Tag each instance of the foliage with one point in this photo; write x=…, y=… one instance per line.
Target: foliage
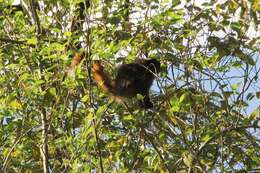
x=206, y=117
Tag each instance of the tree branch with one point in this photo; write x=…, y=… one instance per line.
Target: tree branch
x=222, y=132
x=44, y=146
x=4, y=168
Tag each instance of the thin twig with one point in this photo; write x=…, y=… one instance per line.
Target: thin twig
x=7, y=40
x=223, y=132
x=98, y=147
x=147, y=138
x=157, y=151
x=12, y=149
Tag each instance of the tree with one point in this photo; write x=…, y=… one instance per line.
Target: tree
x=206, y=115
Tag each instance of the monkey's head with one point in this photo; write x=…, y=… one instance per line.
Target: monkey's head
x=152, y=65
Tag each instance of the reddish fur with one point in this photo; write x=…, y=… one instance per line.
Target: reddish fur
x=76, y=60
x=101, y=78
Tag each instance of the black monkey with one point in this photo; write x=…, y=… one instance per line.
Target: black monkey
x=131, y=79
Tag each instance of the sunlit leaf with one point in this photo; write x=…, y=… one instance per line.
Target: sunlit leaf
x=15, y=105
x=183, y=96
x=235, y=86
x=139, y=97
x=188, y=159
x=32, y=41
x=233, y=4
x=256, y=5
x=68, y=34
x=203, y=118
x=52, y=91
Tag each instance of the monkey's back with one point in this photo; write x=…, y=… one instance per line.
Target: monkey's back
x=133, y=79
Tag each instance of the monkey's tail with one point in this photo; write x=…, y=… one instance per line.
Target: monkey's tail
x=78, y=57
x=102, y=78
x=76, y=60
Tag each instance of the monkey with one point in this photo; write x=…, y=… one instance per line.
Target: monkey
x=131, y=79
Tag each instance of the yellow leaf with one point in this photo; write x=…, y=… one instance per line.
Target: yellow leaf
x=16, y=105
x=256, y=5
x=32, y=41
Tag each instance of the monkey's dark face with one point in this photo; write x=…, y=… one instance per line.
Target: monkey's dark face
x=152, y=65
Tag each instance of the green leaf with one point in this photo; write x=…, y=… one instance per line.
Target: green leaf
x=68, y=33
x=233, y=4
x=101, y=110
x=85, y=98
x=57, y=46
x=236, y=26
x=39, y=82
x=258, y=94
x=250, y=96
x=175, y=105
x=128, y=117
x=216, y=94
x=244, y=57
x=139, y=97
x=176, y=2
x=254, y=115
x=183, y=96
x=188, y=159
x=227, y=94
x=57, y=30
x=235, y=86
x=32, y=41
x=24, y=76
x=15, y=104
x=206, y=138
x=174, y=16
x=256, y=5
x=52, y=91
